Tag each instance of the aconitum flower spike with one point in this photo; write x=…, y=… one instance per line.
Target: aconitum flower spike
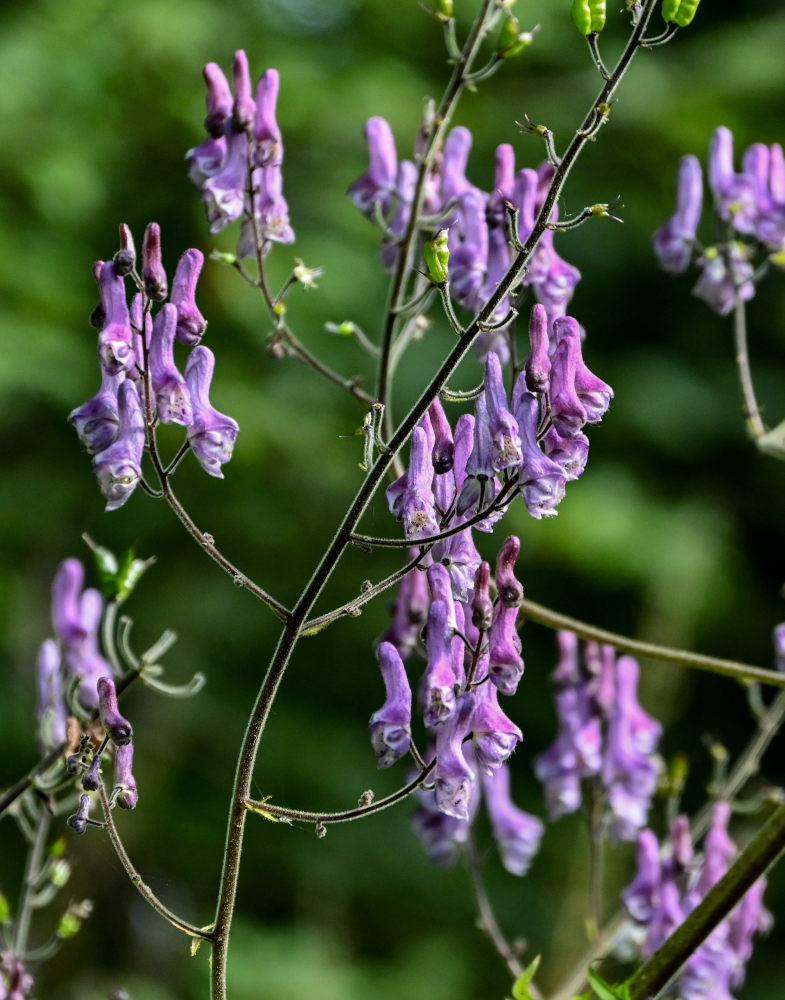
x=510, y=590
x=454, y=779
x=118, y=728
x=118, y=468
x=268, y=151
x=97, y=421
x=153, y=273
x=438, y=680
x=443, y=447
x=505, y=666
x=674, y=241
x=377, y=184
x=244, y=107
x=211, y=435
x=172, y=399
x=391, y=726
x=115, y=341
x=505, y=440
x=128, y=796
x=219, y=100
x=190, y=322
x=517, y=833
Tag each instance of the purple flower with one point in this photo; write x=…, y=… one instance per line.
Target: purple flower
x=97, y=421
x=377, y=184
x=538, y=365
x=505, y=666
x=219, y=100
x=641, y=897
x=569, y=453
x=673, y=242
x=439, y=679
x=172, y=399
x=443, y=447
x=494, y=735
x=223, y=192
x=454, y=779
x=410, y=612
x=271, y=214
x=517, y=833
x=734, y=194
x=66, y=594
x=391, y=726
x=443, y=837
x=244, y=107
x=542, y=480
x=505, y=440
x=118, y=728
x=454, y=159
x=52, y=713
x=268, y=151
x=190, y=322
x=127, y=796
x=482, y=605
x=726, y=277
x=115, y=341
x=118, y=467
x=153, y=273
x=469, y=249
x=630, y=770
x=416, y=502
x=479, y=486
x=510, y=590
x=405, y=183
x=211, y=435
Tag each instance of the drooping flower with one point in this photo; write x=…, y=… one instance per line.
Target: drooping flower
x=517, y=833
x=211, y=434
x=674, y=241
x=118, y=467
x=173, y=401
x=391, y=726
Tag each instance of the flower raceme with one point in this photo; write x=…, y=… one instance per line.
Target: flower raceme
x=750, y=204
x=137, y=355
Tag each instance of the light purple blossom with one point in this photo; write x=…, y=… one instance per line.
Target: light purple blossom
x=118, y=467
x=115, y=341
x=505, y=666
x=439, y=680
x=97, y=421
x=674, y=241
x=212, y=434
x=190, y=322
x=726, y=277
x=173, y=401
x=505, y=439
x=454, y=779
x=517, y=833
x=390, y=727
x=377, y=184
x=124, y=781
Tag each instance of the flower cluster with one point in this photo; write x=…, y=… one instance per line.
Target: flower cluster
x=473, y=654
x=478, y=223
x=75, y=677
x=669, y=885
x=237, y=168
x=140, y=382
x=750, y=203
x=603, y=733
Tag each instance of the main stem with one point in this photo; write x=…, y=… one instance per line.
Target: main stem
x=342, y=538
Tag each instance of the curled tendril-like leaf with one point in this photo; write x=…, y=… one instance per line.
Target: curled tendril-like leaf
x=188, y=690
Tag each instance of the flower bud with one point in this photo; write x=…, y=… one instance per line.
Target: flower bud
x=125, y=258
x=153, y=274
x=679, y=12
x=510, y=590
x=588, y=16
x=128, y=796
x=118, y=728
x=437, y=257
x=78, y=821
x=482, y=605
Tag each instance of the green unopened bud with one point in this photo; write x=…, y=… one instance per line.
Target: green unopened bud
x=444, y=9
x=512, y=40
x=5, y=910
x=588, y=16
x=345, y=329
x=73, y=918
x=117, y=578
x=437, y=257
x=59, y=872
x=223, y=258
x=679, y=12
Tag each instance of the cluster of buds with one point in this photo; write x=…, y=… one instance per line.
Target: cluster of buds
x=74, y=677
x=473, y=654
x=603, y=734
x=238, y=167
x=751, y=204
x=140, y=382
x=669, y=885
x=476, y=224
x=529, y=443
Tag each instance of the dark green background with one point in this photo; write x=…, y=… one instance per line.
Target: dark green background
x=675, y=533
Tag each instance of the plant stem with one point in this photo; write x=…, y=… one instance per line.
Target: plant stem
x=728, y=668
x=751, y=409
x=145, y=891
x=32, y=871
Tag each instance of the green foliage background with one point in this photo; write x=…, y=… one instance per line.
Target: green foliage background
x=675, y=533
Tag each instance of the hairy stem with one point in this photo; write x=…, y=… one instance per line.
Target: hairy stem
x=751, y=409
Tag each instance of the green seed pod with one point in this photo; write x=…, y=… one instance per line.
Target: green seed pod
x=437, y=257
x=588, y=16
x=679, y=12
